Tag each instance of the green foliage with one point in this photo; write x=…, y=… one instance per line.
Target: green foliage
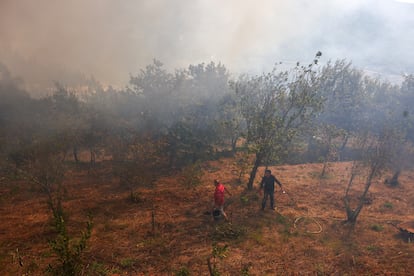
x=244, y=199
x=377, y=227
x=243, y=162
x=230, y=126
x=282, y=220
x=99, y=269
x=388, y=205
x=286, y=226
x=227, y=231
x=220, y=251
x=373, y=248
x=245, y=270
x=188, y=142
x=68, y=250
x=43, y=164
x=183, y=271
x=345, y=99
x=276, y=107
x=127, y=263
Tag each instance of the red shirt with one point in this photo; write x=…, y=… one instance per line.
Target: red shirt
x=219, y=194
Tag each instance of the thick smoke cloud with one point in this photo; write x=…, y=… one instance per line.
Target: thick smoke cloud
x=45, y=41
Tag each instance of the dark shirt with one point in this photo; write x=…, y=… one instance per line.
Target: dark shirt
x=268, y=183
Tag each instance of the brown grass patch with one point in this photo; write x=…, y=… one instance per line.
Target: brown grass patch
x=127, y=241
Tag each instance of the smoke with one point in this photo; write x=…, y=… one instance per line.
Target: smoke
x=45, y=40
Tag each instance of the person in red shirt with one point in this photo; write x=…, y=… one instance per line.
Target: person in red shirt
x=219, y=197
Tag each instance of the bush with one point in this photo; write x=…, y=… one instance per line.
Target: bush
x=183, y=271
x=377, y=227
x=388, y=205
x=68, y=250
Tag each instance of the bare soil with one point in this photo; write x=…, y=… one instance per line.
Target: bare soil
x=167, y=230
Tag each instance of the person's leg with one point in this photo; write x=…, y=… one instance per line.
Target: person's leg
x=264, y=200
x=223, y=213
x=272, y=200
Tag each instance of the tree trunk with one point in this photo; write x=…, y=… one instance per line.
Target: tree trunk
x=352, y=215
x=342, y=148
x=326, y=157
x=325, y=164
x=257, y=162
x=394, y=179
x=93, y=156
x=233, y=144
x=75, y=154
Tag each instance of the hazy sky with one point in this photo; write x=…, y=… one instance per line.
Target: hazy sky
x=57, y=40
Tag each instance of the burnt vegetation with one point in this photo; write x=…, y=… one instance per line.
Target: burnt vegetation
x=171, y=125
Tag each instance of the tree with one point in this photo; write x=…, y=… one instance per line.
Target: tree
x=229, y=120
x=276, y=107
x=344, y=98
x=326, y=136
x=154, y=87
x=43, y=164
x=64, y=117
x=188, y=142
x=17, y=114
x=137, y=160
x=403, y=119
x=376, y=152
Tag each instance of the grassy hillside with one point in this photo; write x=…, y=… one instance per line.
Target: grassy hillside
x=165, y=229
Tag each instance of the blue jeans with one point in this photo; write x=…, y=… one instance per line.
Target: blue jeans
x=270, y=194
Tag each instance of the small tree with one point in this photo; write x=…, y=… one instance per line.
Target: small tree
x=138, y=160
x=242, y=163
x=328, y=134
x=43, y=164
x=403, y=118
x=376, y=154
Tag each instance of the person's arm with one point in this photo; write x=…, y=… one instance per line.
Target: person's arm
x=262, y=183
x=280, y=184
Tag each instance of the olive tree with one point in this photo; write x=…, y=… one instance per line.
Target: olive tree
x=376, y=152
x=345, y=100
x=276, y=106
x=43, y=164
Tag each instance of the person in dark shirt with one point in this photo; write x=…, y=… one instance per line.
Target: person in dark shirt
x=268, y=186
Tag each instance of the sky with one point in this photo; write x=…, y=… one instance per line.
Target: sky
x=44, y=41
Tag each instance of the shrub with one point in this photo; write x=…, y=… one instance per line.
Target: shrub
x=377, y=227
x=126, y=263
x=68, y=250
x=183, y=271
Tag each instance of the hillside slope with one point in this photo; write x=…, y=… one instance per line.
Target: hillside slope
x=167, y=230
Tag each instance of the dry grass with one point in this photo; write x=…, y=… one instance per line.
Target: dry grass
x=126, y=241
